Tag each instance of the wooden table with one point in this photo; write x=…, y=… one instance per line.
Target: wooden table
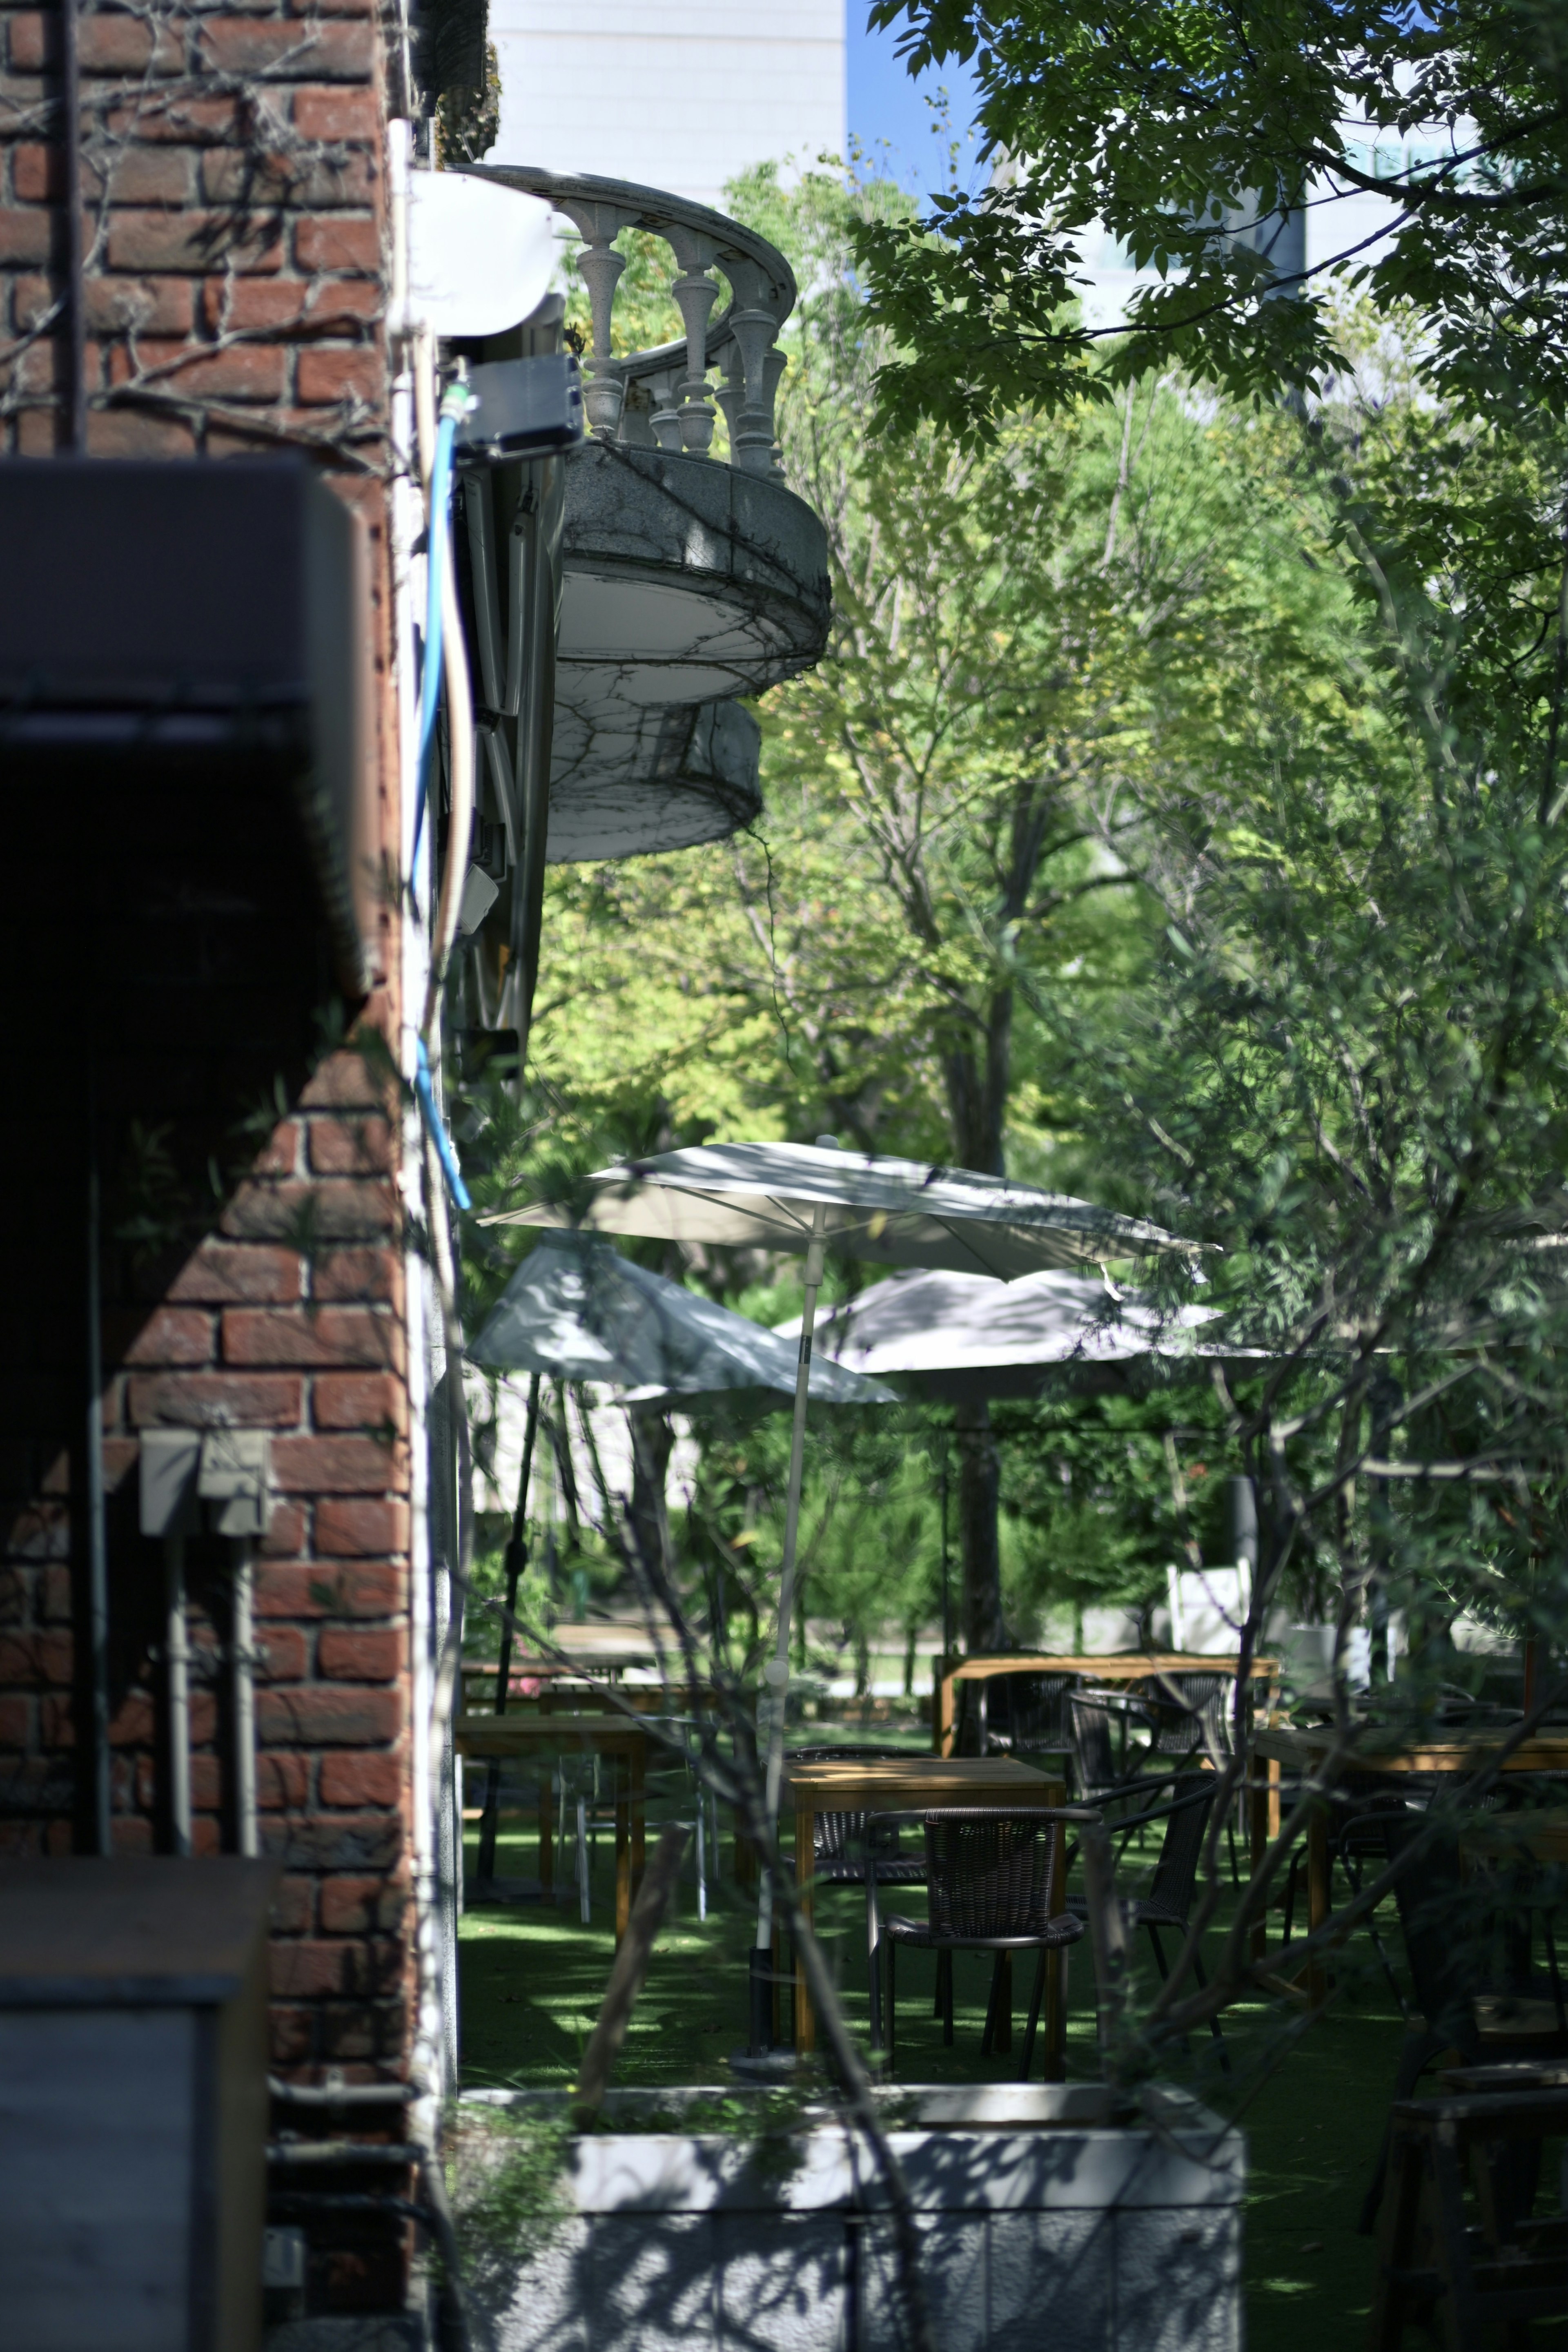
x=1305, y=1751
x=626, y=1744
x=1123, y=1666
x=897, y=1786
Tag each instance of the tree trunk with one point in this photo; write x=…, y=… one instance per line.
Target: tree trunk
x=980, y=1546
x=653, y=1443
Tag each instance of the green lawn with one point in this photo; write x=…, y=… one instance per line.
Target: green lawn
x=533, y=1978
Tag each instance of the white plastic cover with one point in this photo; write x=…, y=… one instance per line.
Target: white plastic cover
x=480, y=257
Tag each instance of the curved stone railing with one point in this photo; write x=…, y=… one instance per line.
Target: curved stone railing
x=662, y=398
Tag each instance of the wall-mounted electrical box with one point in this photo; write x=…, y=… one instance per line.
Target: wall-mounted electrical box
x=133, y=2094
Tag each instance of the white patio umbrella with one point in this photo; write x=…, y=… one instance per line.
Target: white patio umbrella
x=816, y=1198
x=576, y=1310
x=960, y=1339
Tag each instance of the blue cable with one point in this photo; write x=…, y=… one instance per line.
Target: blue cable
x=438, y=1135
x=435, y=565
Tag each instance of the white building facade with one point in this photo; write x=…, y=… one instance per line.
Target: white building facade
x=682, y=98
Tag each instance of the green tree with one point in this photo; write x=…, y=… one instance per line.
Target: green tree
x=1186, y=133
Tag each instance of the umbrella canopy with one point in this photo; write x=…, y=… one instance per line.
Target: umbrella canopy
x=959, y=1338
x=893, y=1212
x=576, y=1310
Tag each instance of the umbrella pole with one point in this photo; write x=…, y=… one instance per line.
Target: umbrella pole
x=517, y=1559
x=777, y=1671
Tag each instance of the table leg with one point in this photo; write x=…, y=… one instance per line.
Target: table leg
x=546, y=1834
x=639, y=1814
x=1056, y=2015
x=1317, y=1897
x=1264, y=1796
x=805, y=2015
x=623, y=1846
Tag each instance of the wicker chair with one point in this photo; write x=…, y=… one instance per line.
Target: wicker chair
x=1168, y=1903
x=991, y=1873
x=835, y=1835
x=1015, y=1714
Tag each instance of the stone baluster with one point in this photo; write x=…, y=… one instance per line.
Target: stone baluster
x=604, y=391
x=730, y=393
x=773, y=368
x=696, y=293
x=666, y=388
x=755, y=328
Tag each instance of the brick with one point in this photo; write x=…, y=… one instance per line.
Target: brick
x=349, y=1147
x=40, y=431
x=360, y=1654
x=350, y=1527
x=175, y=1335
x=291, y=1589
x=152, y=306
x=285, y=1536
x=351, y=1907
x=352, y=1079
x=31, y=46
x=37, y=172
x=344, y=1716
x=148, y=176
x=114, y=44
x=24, y=235
x=282, y=1780
x=291, y=2035
x=54, y=1601
x=375, y=1401
x=250, y=304
x=16, y=1596
x=354, y=1779
x=332, y=1336
x=243, y=371
x=217, y=1401
x=347, y=1842
x=316, y=182
x=39, y=1533
x=279, y=1155
x=337, y=374
x=337, y=114
x=35, y=1659
x=351, y=246
x=289, y=52
x=306, y=1971
x=57, y=1724
x=133, y=1723
x=158, y=116
x=285, y=1654
x=359, y=1273
x=294, y=1906
x=342, y=1464
x=223, y=1274
x=123, y=433
x=207, y=1783
x=194, y=240
x=16, y=1720
x=131, y=1836
x=338, y=1208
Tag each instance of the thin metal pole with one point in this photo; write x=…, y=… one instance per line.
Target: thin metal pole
x=70, y=95
x=242, y=1631
x=777, y=1669
x=517, y=1559
x=177, y=1656
x=947, y=1597
x=97, y=1531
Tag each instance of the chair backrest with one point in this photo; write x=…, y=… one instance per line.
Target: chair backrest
x=1094, y=1759
x=1189, y=1711
x=831, y=1831
x=1430, y=1897
x=1176, y=1872
x=990, y=1870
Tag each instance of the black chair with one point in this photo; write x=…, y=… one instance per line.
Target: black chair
x=1007, y=1714
x=1453, y=1971
x=991, y=1873
x=833, y=1862
x=1096, y=1779
x=1168, y=1903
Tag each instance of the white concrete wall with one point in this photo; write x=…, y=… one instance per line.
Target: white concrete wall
x=680, y=96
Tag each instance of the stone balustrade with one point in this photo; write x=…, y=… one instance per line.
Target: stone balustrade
x=664, y=398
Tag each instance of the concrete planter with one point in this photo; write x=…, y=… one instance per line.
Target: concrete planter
x=1044, y=2221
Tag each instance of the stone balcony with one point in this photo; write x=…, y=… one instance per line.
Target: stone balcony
x=688, y=579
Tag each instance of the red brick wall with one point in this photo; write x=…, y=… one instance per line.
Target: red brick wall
x=231, y=195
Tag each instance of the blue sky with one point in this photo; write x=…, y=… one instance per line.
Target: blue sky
x=886, y=105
